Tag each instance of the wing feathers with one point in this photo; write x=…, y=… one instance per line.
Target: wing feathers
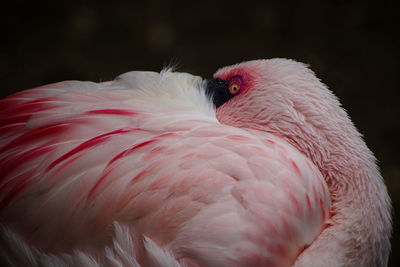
x=146, y=151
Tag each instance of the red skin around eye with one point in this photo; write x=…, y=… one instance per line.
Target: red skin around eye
x=243, y=78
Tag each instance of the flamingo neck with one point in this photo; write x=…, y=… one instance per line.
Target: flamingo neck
x=360, y=212
x=359, y=228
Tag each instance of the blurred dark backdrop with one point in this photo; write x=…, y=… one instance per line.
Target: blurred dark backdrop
x=353, y=46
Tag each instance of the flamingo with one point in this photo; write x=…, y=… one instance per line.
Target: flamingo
x=259, y=166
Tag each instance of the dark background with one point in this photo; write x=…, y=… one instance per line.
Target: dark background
x=353, y=46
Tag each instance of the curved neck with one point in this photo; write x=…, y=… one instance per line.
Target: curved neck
x=360, y=221
x=358, y=232
x=359, y=228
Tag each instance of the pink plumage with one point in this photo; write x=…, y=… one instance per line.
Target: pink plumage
x=143, y=171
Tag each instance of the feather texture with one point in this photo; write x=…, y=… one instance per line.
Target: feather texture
x=138, y=171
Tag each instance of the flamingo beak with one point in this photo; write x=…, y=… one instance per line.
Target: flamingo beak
x=218, y=90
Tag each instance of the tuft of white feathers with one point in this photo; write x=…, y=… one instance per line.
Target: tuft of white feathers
x=16, y=252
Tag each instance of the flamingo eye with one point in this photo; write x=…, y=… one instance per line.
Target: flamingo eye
x=234, y=88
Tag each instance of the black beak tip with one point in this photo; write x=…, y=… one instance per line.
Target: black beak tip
x=218, y=90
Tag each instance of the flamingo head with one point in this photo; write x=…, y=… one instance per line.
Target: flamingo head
x=280, y=96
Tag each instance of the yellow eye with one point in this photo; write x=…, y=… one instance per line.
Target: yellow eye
x=234, y=88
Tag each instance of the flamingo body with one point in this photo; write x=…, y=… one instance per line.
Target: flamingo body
x=144, y=171
x=147, y=152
